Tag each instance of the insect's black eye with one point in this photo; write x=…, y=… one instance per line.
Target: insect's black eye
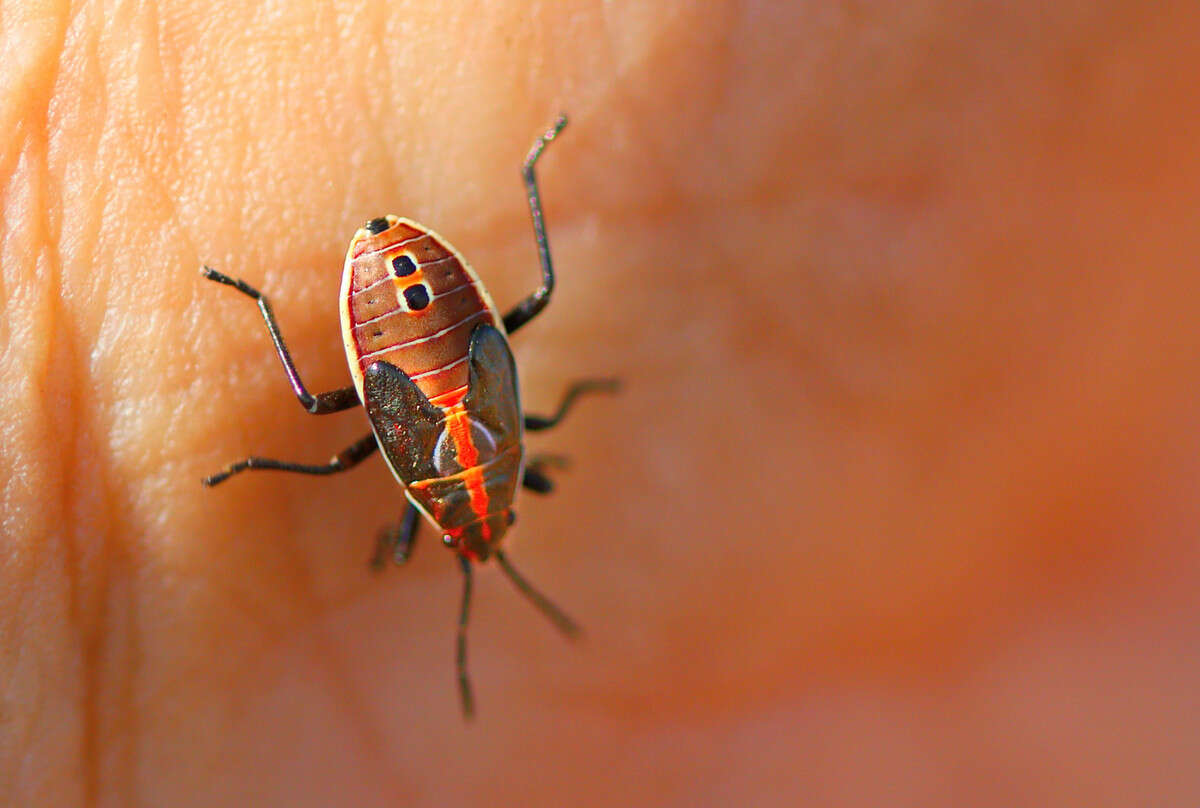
x=403, y=265
x=377, y=225
x=416, y=296
x=512, y=517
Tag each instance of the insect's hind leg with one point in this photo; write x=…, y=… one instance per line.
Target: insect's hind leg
x=320, y=404
x=535, y=423
x=529, y=308
x=344, y=460
x=398, y=539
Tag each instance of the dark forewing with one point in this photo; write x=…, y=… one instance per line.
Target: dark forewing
x=406, y=424
x=492, y=385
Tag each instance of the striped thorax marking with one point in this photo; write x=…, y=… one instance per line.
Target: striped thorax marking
x=458, y=427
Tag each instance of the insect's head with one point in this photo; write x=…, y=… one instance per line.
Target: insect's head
x=476, y=540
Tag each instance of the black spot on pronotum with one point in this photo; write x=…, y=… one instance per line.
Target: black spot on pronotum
x=417, y=296
x=403, y=265
x=377, y=225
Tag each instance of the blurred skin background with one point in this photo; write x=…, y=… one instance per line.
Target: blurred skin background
x=897, y=505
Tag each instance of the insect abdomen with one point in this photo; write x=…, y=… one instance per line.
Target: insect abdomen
x=408, y=298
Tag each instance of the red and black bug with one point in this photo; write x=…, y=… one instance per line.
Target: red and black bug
x=428, y=353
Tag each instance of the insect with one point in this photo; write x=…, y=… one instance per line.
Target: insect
x=430, y=361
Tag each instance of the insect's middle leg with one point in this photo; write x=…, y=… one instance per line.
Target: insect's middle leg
x=344, y=460
x=535, y=478
x=535, y=423
x=398, y=539
x=320, y=404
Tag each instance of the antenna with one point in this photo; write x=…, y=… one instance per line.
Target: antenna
x=565, y=624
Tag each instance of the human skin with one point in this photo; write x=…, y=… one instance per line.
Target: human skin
x=897, y=503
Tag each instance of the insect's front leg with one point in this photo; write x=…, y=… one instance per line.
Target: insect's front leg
x=398, y=539
x=320, y=404
x=535, y=478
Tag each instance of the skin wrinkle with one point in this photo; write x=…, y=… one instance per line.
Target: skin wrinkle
x=88, y=554
x=110, y=633
x=59, y=401
x=111, y=703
